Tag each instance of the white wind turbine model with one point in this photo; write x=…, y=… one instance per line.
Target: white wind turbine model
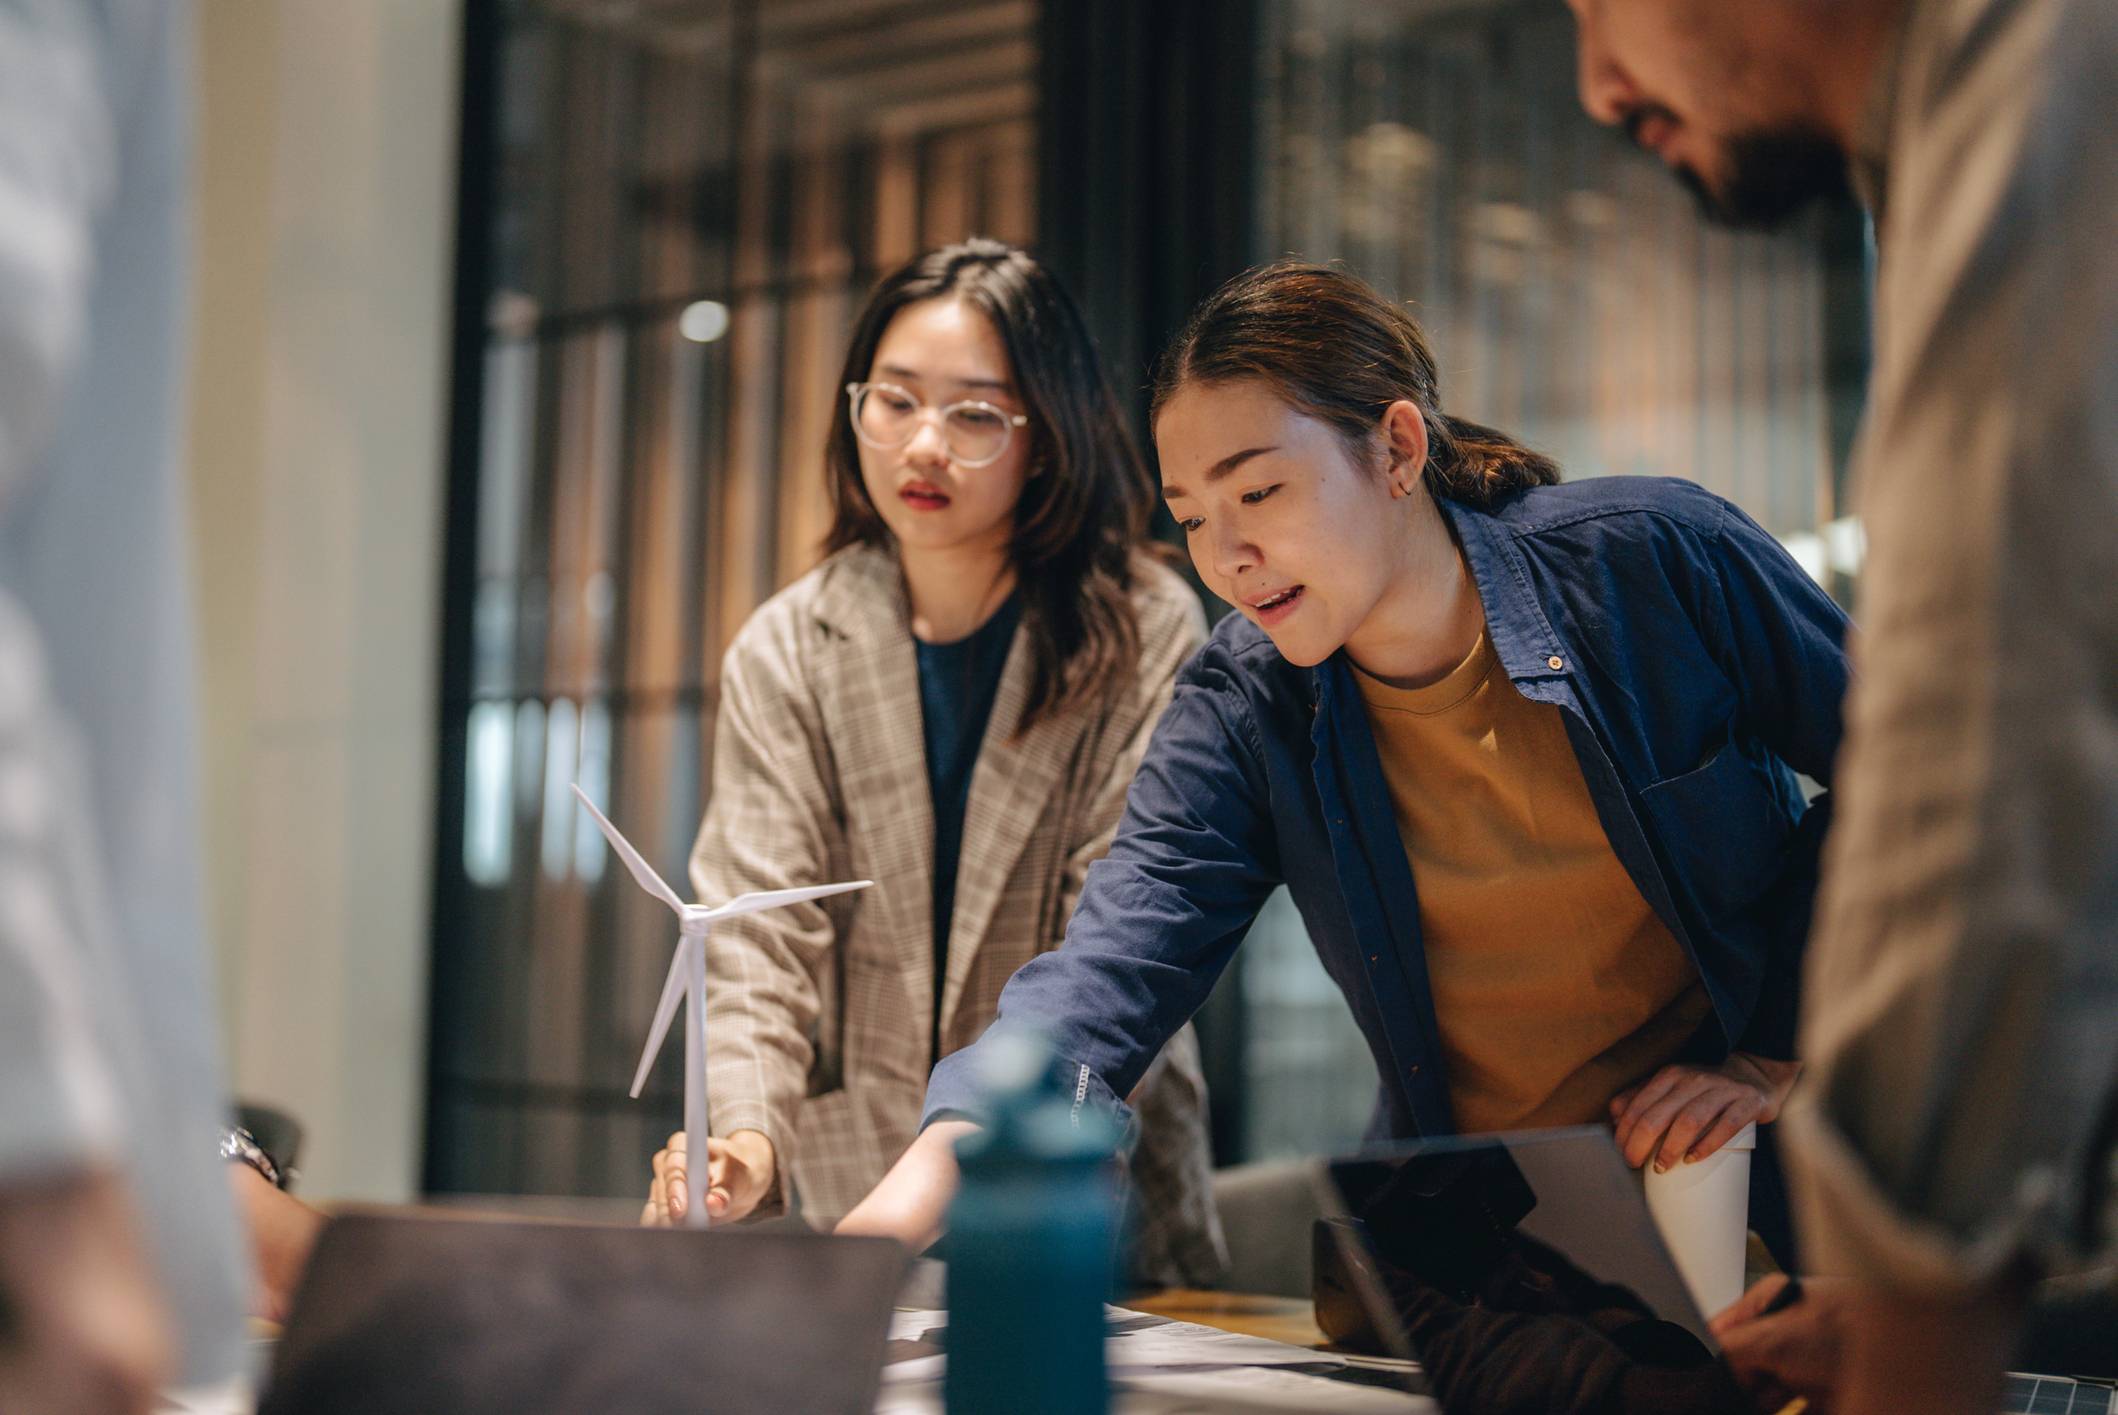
x=687, y=977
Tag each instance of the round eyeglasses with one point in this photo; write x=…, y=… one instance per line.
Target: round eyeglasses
x=975, y=433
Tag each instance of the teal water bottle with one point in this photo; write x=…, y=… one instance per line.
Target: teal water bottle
x=1032, y=1236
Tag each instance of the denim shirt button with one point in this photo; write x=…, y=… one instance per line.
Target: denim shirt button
x=1555, y=663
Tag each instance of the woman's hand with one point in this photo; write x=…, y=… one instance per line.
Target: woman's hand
x=740, y=1173
x=912, y=1201
x=1682, y=1114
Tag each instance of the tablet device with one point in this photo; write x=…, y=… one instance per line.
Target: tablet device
x=1449, y=1207
x=1438, y=1218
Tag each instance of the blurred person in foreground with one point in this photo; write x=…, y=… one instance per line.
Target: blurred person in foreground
x=1953, y=1137
x=119, y=1262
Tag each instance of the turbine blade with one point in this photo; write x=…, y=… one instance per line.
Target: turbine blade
x=780, y=898
x=665, y=1013
x=641, y=870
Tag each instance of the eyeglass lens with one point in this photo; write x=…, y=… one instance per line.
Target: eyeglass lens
x=889, y=417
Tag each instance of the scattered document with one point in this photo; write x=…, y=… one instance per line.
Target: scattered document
x=1158, y=1367
x=230, y=1398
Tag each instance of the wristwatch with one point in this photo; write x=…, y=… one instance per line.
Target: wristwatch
x=240, y=1146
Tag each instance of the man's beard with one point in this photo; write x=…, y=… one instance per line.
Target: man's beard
x=1771, y=176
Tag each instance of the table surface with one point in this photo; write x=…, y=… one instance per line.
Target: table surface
x=1288, y=1319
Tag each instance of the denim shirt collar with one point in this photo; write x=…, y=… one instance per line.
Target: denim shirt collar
x=1516, y=625
x=1521, y=635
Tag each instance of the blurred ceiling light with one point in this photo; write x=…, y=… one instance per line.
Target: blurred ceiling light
x=703, y=321
x=1508, y=222
x=1846, y=542
x=1391, y=152
x=512, y=314
x=1807, y=548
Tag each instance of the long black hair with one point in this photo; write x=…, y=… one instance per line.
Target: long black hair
x=1085, y=506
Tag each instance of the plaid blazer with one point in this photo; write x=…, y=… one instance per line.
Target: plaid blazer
x=819, y=1016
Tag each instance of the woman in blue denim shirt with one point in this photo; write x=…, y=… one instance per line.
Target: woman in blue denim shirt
x=1575, y=713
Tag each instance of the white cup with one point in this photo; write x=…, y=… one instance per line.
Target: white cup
x=1703, y=1211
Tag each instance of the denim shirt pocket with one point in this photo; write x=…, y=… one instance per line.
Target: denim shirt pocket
x=1722, y=827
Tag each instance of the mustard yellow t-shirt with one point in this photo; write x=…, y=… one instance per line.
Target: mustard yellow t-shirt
x=1555, y=985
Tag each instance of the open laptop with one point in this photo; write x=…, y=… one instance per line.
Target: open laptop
x=413, y=1313
x=1436, y=1217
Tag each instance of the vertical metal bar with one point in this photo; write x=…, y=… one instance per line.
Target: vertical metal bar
x=476, y=177
x=596, y=940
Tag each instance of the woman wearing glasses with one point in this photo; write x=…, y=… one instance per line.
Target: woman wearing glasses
x=952, y=705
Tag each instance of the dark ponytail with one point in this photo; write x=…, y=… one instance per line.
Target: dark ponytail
x=1340, y=352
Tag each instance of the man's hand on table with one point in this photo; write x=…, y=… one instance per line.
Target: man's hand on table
x=1847, y=1349
x=740, y=1173
x=1796, y=1351
x=1684, y=1113
x=82, y=1327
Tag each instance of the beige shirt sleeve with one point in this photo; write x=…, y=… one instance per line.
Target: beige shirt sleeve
x=1962, y=1027
x=770, y=824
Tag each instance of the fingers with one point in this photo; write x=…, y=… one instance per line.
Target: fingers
x=672, y=1154
x=1639, y=1100
x=1692, y=1121
x=1652, y=1111
x=1782, y=1357
x=656, y=1213
x=1754, y=1357
x=717, y=1162
x=1749, y=1306
x=669, y=1191
x=1683, y=1114
x=676, y=1197
x=1726, y=1128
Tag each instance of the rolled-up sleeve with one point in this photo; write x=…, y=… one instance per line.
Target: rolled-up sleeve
x=1160, y=915
x=1962, y=1030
